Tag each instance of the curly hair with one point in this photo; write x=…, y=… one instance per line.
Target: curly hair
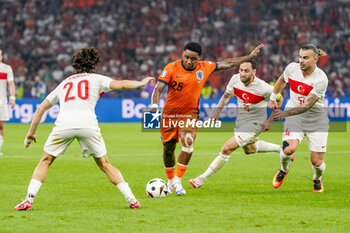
x=85, y=60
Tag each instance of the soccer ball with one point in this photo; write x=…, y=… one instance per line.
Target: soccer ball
x=156, y=188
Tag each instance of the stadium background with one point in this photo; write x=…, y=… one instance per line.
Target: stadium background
x=138, y=38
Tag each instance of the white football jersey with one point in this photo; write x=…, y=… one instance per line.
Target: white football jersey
x=300, y=88
x=78, y=95
x=252, y=100
x=6, y=75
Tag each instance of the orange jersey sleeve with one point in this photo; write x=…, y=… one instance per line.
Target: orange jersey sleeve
x=185, y=86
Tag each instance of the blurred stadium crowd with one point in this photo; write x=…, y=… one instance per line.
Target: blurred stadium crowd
x=139, y=37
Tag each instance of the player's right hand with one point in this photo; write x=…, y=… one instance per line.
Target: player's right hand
x=273, y=105
x=28, y=140
x=12, y=103
x=147, y=80
x=256, y=51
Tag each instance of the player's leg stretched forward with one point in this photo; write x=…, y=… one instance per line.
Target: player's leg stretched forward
x=38, y=178
x=286, y=155
x=116, y=177
x=223, y=157
x=187, y=140
x=318, y=167
x=174, y=181
x=169, y=162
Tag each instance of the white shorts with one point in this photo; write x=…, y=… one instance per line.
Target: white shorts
x=90, y=140
x=4, y=112
x=247, y=133
x=317, y=140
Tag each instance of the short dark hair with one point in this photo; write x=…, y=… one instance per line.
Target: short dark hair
x=85, y=60
x=319, y=52
x=253, y=63
x=194, y=46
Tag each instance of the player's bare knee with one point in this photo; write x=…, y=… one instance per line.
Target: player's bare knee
x=169, y=148
x=287, y=149
x=47, y=160
x=168, y=152
x=249, y=151
x=226, y=150
x=316, y=161
x=102, y=163
x=187, y=140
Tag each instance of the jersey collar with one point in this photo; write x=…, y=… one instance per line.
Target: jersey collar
x=182, y=63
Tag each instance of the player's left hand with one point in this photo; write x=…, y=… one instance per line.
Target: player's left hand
x=256, y=51
x=278, y=115
x=28, y=140
x=266, y=126
x=12, y=103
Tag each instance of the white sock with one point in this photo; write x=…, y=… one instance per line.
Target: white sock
x=216, y=165
x=170, y=182
x=176, y=179
x=262, y=146
x=33, y=188
x=126, y=191
x=318, y=171
x=285, y=160
x=1, y=141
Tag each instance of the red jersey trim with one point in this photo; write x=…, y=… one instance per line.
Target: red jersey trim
x=300, y=87
x=3, y=75
x=248, y=97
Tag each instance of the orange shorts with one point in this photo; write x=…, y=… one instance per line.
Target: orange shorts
x=171, y=127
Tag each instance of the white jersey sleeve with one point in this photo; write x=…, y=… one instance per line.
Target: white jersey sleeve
x=9, y=74
x=231, y=85
x=289, y=71
x=267, y=90
x=320, y=87
x=53, y=96
x=105, y=84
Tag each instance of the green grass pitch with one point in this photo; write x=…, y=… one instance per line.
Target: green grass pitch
x=77, y=196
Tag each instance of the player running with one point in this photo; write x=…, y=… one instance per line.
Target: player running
x=252, y=95
x=6, y=79
x=185, y=79
x=304, y=113
x=78, y=95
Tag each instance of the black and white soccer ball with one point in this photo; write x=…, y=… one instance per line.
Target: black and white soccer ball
x=156, y=188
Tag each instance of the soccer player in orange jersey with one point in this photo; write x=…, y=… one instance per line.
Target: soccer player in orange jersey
x=185, y=79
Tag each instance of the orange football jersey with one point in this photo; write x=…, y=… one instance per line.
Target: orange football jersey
x=185, y=86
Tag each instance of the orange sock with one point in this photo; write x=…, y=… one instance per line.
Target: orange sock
x=170, y=172
x=180, y=170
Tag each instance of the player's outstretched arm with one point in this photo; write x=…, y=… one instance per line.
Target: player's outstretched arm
x=43, y=107
x=129, y=84
x=157, y=92
x=310, y=101
x=280, y=84
x=222, y=103
x=236, y=61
